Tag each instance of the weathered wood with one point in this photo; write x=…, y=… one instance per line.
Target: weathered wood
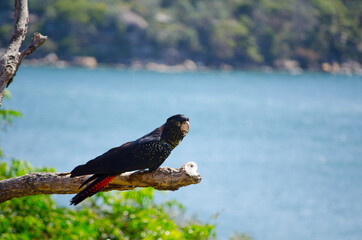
x=12, y=58
x=164, y=178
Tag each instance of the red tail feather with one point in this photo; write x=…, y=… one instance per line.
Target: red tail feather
x=92, y=188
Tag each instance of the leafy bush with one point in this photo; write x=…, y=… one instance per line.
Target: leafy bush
x=114, y=215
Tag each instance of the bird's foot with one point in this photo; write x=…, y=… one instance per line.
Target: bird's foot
x=152, y=171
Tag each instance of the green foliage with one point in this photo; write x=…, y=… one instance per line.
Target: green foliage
x=80, y=11
x=126, y=215
x=7, y=116
x=212, y=31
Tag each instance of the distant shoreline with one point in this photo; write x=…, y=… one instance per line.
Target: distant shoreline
x=288, y=66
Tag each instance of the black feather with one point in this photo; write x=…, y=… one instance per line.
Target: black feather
x=88, y=180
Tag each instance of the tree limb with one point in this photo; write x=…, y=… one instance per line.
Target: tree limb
x=11, y=60
x=164, y=178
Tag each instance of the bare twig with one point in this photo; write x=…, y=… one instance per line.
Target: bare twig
x=2, y=94
x=164, y=178
x=36, y=41
x=11, y=60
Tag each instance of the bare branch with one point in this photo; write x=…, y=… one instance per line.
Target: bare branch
x=164, y=178
x=11, y=60
x=37, y=40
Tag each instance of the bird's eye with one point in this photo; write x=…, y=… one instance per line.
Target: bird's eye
x=178, y=124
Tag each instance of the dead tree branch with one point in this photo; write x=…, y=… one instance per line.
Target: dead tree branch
x=11, y=60
x=164, y=178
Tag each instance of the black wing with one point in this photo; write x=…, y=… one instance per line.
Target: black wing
x=109, y=162
x=119, y=159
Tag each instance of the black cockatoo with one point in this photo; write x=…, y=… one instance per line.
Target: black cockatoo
x=147, y=152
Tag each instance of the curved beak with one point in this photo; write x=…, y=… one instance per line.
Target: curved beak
x=185, y=127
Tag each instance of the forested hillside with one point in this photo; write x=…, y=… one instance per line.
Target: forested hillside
x=237, y=33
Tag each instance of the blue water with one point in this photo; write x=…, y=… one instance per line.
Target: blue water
x=280, y=155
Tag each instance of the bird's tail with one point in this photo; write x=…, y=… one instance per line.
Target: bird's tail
x=94, y=187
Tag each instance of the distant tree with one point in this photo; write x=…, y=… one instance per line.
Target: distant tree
x=238, y=32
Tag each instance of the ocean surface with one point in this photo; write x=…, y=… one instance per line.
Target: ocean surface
x=280, y=155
